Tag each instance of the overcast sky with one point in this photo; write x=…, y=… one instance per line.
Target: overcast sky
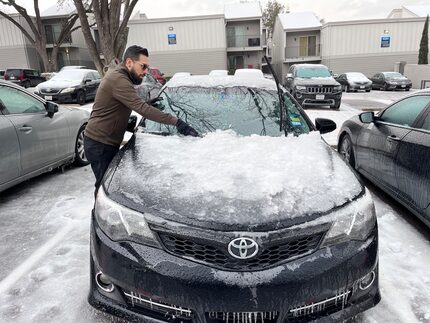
x=330, y=10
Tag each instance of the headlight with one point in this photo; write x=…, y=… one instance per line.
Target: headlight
x=300, y=88
x=338, y=87
x=352, y=222
x=120, y=223
x=68, y=90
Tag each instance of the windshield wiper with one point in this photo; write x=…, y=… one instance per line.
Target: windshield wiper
x=257, y=104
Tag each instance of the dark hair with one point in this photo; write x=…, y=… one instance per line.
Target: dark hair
x=134, y=51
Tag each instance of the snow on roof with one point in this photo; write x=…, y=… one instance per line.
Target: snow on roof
x=419, y=10
x=218, y=73
x=63, y=9
x=242, y=10
x=222, y=81
x=245, y=72
x=299, y=20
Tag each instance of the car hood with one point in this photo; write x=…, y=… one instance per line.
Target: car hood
x=398, y=79
x=230, y=182
x=316, y=81
x=58, y=84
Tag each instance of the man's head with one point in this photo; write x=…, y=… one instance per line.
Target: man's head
x=136, y=60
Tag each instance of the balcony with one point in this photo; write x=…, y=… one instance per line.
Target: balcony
x=245, y=42
x=302, y=53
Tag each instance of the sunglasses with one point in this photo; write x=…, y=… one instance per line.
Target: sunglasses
x=143, y=66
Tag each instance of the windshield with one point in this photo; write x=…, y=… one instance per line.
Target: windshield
x=393, y=75
x=246, y=111
x=69, y=75
x=356, y=76
x=308, y=72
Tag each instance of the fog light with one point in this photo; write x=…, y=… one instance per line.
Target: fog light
x=367, y=281
x=298, y=95
x=104, y=283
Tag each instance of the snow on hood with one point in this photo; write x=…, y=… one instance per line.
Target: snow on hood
x=58, y=84
x=228, y=179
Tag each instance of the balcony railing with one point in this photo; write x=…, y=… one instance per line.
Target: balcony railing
x=302, y=51
x=246, y=41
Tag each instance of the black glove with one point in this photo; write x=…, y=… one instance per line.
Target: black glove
x=185, y=129
x=155, y=100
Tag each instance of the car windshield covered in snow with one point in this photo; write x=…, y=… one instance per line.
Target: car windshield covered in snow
x=247, y=111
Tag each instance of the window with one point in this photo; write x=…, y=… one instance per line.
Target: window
x=17, y=102
x=308, y=46
x=426, y=124
x=405, y=112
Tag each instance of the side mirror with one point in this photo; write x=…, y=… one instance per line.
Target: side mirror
x=51, y=108
x=325, y=125
x=132, y=121
x=367, y=117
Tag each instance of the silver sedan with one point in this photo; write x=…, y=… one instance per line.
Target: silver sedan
x=36, y=136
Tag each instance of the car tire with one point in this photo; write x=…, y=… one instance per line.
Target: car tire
x=348, y=89
x=80, y=98
x=346, y=150
x=80, y=158
x=385, y=87
x=336, y=105
x=407, y=89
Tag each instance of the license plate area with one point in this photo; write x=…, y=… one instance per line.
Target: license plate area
x=48, y=97
x=320, y=97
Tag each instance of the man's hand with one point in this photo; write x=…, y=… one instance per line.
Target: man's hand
x=185, y=129
x=155, y=100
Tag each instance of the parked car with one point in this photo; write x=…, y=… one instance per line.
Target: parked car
x=354, y=81
x=70, y=85
x=2, y=73
x=24, y=77
x=37, y=135
x=390, y=81
x=73, y=67
x=313, y=85
x=155, y=72
x=392, y=149
x=233, y=225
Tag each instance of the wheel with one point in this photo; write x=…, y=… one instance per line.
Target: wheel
x=385, y=87
x=346, y=150
x=336, y=105
x=80, y=158
x=80, y=97
x=348, y=89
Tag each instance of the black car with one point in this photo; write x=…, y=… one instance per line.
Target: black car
x=24, y=77
x=354, y=81
x=238, y=225
x=392, y=149
x=313, y=85
x=70, y=85
x=390, y=81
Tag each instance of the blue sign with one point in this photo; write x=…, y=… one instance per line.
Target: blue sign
x=172, y=39
x=385, y=41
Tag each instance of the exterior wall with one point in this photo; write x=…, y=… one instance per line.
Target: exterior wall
x=416, y=73
x=238, y=32
x=292, y=47
x=13, y=46
x=200, y=43
x=356, y=46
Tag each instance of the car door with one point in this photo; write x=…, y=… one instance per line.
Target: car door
x=413, y=163
x=378, y=142
x=9, y=150
x=42, y=140
x=90, y=85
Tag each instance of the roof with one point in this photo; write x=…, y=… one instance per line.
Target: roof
x=305, y=20
x=64, y=9
x=207, y=81
x=242, y=10
x=419, y=10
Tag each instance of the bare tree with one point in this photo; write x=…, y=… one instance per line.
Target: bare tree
x=37, y=34
x=111, y=18
x=273, y=8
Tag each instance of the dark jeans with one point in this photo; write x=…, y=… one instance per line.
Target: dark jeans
x=99, y=155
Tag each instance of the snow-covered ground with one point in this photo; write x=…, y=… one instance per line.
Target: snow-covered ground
x=44, y=250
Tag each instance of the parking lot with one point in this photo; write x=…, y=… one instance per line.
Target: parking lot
x=45, y=221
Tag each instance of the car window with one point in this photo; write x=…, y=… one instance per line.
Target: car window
x=246, y=111
x=96, y=75
x=17, y=102
x=426, y=124
x=405, y=112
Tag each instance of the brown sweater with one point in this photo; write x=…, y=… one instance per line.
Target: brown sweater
x=115, y=99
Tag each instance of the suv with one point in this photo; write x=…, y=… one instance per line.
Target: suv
x=24, y=77
x=313, y=84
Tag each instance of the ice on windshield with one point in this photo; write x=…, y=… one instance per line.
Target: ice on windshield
x=393, y=75
x=235, y=179
x=356, y=77
x=247, y=111
x=311, y=72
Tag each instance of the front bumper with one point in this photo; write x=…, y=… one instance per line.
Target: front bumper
x=59, y=97
x=164, y=287
x=330, y=99
x=360, y=87
x=399, y=86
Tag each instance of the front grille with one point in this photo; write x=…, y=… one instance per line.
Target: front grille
x=217, y=254
x=243, y=317
x=319, y=89
x=313, y=311
x=50, y=91
x=157, y=308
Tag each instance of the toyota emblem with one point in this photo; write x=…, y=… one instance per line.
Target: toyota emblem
x=242, y=248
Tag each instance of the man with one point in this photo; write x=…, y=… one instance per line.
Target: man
x=115, y=99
